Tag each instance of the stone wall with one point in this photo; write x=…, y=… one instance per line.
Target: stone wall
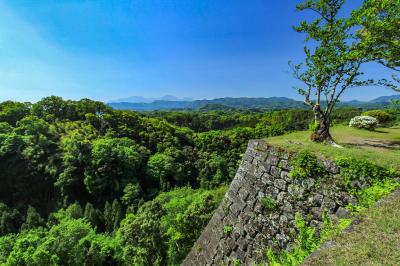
x=259, y=208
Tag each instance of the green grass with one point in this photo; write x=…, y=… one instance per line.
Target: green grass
x=381, y=146
x=375, y=241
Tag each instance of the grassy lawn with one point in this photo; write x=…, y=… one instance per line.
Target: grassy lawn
x=381, y=146
x=375, y=241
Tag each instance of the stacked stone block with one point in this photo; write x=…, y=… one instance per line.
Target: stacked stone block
x=243, y=227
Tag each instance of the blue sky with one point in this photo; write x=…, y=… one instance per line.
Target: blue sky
x=188, y=48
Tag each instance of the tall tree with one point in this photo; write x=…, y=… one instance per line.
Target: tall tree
x=142, y=237
x=32, y=219
x=330, y=66
x=380, y=33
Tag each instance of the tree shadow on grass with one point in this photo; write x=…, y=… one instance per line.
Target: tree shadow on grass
x=372, y=144
x=380, y=131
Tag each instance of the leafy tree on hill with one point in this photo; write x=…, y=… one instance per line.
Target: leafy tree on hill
x=142, y=237
x=162, y=168
x=187, y=226
x=93, y=216
x=75, y=144
x=10, y=219
x=29, y=163
x=32, y=220
x=54, y=108
x=12, y=112
x=114, y=162
x=379, y=34
x=332, y=63
x=133, y=195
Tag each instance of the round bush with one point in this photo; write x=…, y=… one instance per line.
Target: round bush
x=364, y=122
x=381, y=115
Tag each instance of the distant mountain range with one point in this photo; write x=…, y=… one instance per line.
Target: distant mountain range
x=140, y=99
x=271, y=103
x=386, y=99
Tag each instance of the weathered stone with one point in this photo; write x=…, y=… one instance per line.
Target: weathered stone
x=235, y=236
x=258, y=174
x=248, y=158
x=258, y=208
x=295, y=191
x=272, y=160
x=309, y=183
x=282, y=196
x=267, y=179
x=280, y=184
x=285, y=176
x=316, y=212
x=243, y=194
x=316, y=224
x=342, y=213
x=329, y=204
x=282, y=240
x=275, y=172
x=331, y=167
x=235, y=186
x=265, y=167
x=316, y=200
x=283, y=220
x=271, y=192
x=356, y=184
x=237, y=207
x=260, y=156
x=287, y=207
x=284, y=164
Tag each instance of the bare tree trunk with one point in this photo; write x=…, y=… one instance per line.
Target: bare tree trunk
x=321, y=132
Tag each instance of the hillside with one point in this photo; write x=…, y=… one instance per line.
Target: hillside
x=373, y=240
x=127, y=186
x=381, y=146
x=114, y=186
x=291, y=196
x=387, y=99
x=373, y=237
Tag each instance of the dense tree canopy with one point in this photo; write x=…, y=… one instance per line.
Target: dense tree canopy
x=82, y=184
x=379, y=35
x=380, y=31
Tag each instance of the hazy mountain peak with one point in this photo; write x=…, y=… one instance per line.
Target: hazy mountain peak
x=386, y=98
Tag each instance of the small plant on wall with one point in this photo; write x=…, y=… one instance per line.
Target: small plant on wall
x=268, y=203
x=305, y=165
x=228, y=230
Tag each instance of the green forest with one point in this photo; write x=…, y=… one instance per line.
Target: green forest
x=83, y=184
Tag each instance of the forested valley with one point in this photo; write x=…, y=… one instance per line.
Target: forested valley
x=83, y=184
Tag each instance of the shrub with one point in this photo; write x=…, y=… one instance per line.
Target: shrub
x=306, y=165
x=364, y=122
x=306, y=241
x=362, y=170
x=381, y=115
x=368, y=196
